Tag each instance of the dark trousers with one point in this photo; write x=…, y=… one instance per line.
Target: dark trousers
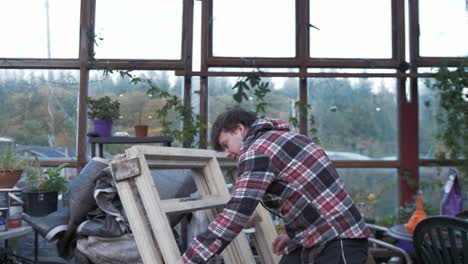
x=338, y=251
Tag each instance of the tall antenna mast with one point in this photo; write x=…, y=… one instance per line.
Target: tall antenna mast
x=47, y=27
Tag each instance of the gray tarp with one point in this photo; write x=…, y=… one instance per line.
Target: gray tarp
x=92, y=226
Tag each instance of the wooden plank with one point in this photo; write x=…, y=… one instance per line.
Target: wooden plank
x=136, y=217
x=229, y=255
x=159, y=223
x=126, y=169
x=265, y=234
x=216, y=182
x=175, y=164
x=265, y=231
x=181, y=205
x=174, y=153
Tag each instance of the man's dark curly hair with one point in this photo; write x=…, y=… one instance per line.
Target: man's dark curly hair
x=228, y=121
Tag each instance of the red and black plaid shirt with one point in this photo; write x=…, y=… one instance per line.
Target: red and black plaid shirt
x=294, y=179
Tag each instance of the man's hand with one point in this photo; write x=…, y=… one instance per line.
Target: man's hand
x=180, y=261
x=279, y=243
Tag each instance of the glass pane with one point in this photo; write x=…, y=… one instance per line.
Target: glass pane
x=380, y=182
x=336, y=32
x=136, y=107
x=260, y=28
x=280, y=101
x=140, y=29
x=39, y=110
x=39, y=29
x=429, y=125
x=445, y=37
x=356, y=118
x=434, y=121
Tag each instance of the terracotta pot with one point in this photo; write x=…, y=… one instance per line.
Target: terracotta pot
x=8, y=179
x=141, y=130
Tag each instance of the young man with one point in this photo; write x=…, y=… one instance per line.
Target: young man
x=294, y=179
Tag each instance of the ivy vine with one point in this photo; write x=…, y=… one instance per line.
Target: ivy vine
x=313, y=122
x=452, y=92
x=252, y=86
x=249, y=85
x=172, y=103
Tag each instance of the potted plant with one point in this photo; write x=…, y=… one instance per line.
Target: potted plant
x=138, y=106
x=103, y=110
x=42, y=190
x=11, y=167
x=141, y=130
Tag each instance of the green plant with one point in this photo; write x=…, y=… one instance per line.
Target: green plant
x=11, y=161
x=6, y=257
x=387, y=220
x=451, y=86
x=252, y=84
x=192, y=122
x=48, y=180
x=103, y=108
x=303, y=109
x=172, y=103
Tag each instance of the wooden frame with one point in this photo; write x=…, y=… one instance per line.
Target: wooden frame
x=155, y=241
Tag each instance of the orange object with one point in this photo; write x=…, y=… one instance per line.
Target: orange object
x=417, y=216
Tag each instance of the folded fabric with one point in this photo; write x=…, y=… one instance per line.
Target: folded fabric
x=119, y=250
x=92, y=227
x=49, y=226
x=105, y=226
x=79, y=199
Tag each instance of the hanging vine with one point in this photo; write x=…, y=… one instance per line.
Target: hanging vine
x=452, y=92
x=303, y=108
x=249, y=85
x=252, y=86
x=172, y=103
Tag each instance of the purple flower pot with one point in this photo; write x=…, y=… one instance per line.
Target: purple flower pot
x=103, y=127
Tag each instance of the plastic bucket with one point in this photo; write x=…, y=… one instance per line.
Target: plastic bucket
x=15, y=208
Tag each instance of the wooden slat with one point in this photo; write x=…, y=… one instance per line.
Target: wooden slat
x=127, y=168
x=151, y=201
x=265, y=231
x=229, y=255
x=265, y=234
x=175, y=164
x=182, y=205
x=136, y=217
x=172, y=153
x=217, y=182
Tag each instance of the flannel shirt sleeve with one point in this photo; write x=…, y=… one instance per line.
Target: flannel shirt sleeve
x=256, y=172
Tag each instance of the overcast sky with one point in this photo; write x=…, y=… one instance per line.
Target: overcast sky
x=150, y=29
